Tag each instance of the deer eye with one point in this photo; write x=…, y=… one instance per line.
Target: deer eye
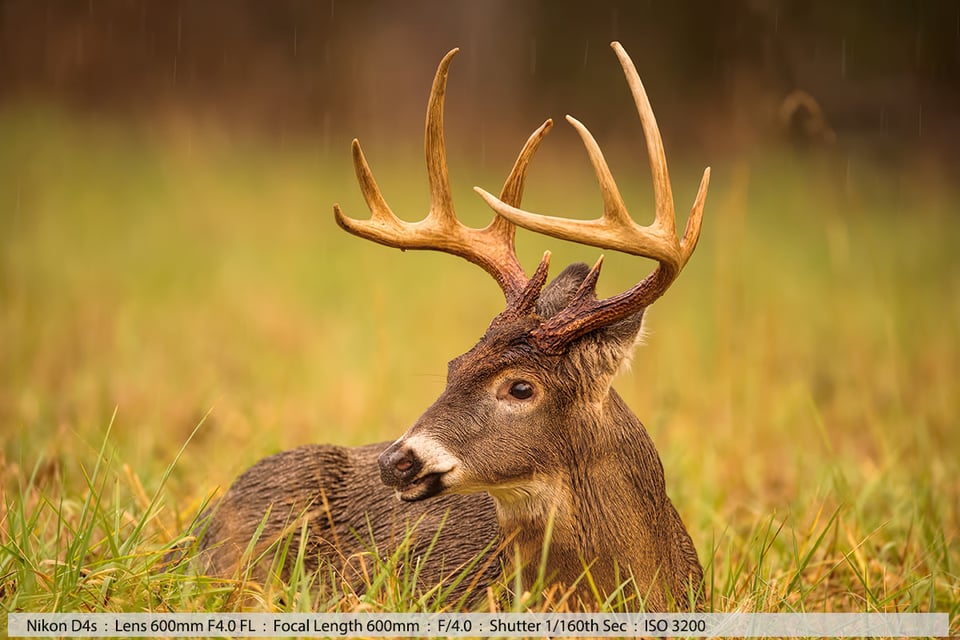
x=521, y=390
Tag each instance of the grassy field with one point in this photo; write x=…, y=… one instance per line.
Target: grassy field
x=800, y=379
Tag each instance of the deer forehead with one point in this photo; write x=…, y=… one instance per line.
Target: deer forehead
x=496, y=354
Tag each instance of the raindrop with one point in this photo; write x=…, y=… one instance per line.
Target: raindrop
x=848, y=170
x=294, y=40
x=586, y=53
x=327, y=123
x=920, y=121
x=332, y=5
x=533, y=56
x=179, y=28
x=776, y=20
x=843, y=58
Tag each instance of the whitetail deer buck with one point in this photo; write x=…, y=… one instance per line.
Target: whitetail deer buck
x=528, y=434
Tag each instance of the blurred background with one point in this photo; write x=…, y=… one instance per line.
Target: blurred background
x=169, y=258
x=878, y=79
x=168, y=255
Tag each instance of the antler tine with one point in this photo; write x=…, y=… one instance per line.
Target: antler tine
x=435, y=148
x=691, y=234
x=662, y=192
x=491, y=248
x=512, y=190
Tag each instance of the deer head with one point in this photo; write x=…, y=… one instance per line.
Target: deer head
x=528, y=414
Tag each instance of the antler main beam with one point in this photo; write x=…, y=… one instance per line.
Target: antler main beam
x=491, y=248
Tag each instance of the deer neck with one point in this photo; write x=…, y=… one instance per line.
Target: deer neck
x=600, y=508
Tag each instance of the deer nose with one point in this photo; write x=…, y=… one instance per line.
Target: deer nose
x=398, y=465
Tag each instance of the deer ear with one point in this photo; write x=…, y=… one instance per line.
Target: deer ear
x=557, y=295
x=614, y=345
x=627, y=333
x=616, y=341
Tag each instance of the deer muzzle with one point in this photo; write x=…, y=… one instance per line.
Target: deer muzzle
x=415, y=469
x=398, y=465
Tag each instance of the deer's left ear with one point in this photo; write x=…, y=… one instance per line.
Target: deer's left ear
x=619, y=340
x=607, y=351
x=627, y=332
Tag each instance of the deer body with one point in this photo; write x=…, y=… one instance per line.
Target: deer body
x=528, y=443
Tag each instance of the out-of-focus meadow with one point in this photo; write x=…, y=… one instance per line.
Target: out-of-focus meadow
x=799, y=380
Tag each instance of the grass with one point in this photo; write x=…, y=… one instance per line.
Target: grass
x=175, y=306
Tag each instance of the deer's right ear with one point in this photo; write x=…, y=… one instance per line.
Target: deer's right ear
x=557, y=295
x=613, y=345
x=559, y=292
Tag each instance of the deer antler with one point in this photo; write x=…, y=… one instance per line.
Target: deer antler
x=616, y=230
x=491, y=248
